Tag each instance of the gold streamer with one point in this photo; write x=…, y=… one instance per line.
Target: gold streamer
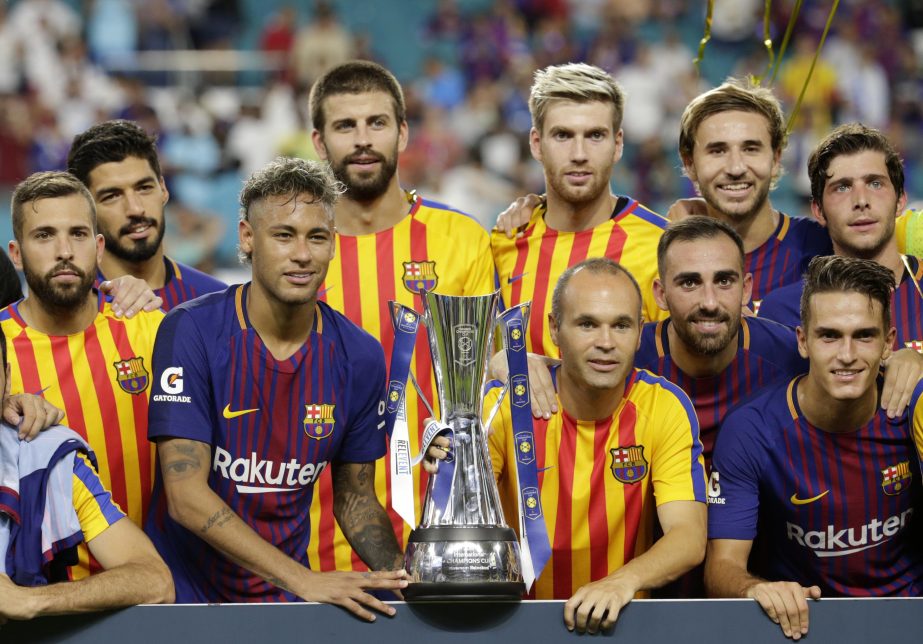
x=788, y=35
x=767, y=42
x=705, y=37
x=820, y=45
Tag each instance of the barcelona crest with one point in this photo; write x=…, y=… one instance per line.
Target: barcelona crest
x=318, y=421
x=395, y=391
x=916, y=345
x=628, y=463
x=525, y=448
x=131, y=375
x=531, y=503
x=896, y=479
x=420, y=276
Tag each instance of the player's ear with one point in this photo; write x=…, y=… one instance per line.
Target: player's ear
x=889, y=342
x=166, y=193
x=15, y=254
x=403, y=136
x=800, y=333
x=535, y=144
x=100, y=247
x=748, y=289
x=818, y=213
x=245, y=236
x=553, y=329
x=318, y=140
x=619, y=146
x=659, y=295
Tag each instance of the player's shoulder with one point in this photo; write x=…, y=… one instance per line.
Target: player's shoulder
x=767, y=411
x=767, y=334
x=202, y=282
x=352, y=341
x=807, y=231
x=434, y=212
x=655, y=395
x=212, y=311
x=651, y=345
x=631, y=212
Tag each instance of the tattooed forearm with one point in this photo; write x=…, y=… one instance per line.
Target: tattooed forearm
x=219, y=518
x=361, y=518
x=377, y=547
x=181, y=459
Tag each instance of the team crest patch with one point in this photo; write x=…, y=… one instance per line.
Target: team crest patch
x=318, y=421
x=628, y=463
x=420, y=276
x=916, y=345
x=896, y=479
x=131, y=375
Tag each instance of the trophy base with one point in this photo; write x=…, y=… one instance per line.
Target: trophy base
x=447, y=591
x=463, y=563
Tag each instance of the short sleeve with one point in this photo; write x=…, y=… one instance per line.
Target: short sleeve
x=677, y=465
x=181, y=399
x=364, y=440
x=734, y=483
x=93, y=503
x=480, y=278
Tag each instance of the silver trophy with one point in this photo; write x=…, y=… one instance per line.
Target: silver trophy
x=463, y=548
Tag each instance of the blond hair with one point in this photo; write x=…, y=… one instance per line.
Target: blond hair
x=576, y=82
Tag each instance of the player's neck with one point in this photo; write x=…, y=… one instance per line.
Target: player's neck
x=356, y=218
x=835, y=416
x=283, y=327
x=153, y=270
x=565, y=216
x=52, y=320
x=588, y=403
x=754, y=230
x=888, y=256
x=696, y=365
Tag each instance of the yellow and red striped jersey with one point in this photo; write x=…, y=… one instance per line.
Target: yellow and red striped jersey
x=101, y=379
x=528, y=267
x=433, y=248
x=599, y=480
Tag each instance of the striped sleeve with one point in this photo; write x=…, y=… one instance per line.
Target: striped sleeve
x=93, y=503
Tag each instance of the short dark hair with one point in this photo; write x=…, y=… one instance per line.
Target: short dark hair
x=287, y=176
x=594, y=266
x=847, y=139
x=46, y=185
x=691, y=229
x=838, y=274
x=111, y=142
x=354, y=77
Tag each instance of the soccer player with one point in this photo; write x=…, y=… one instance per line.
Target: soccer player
x=857, y=192
x=731, y=141
x=391, y=245
x=815, y=469
x=51, y=499
x=118, y=163
x=65, y=341
x=716, y=356
x=577, y=137
x=622, y=441
x=257, y=390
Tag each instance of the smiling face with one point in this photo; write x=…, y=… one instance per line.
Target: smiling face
x=577, y=148
x=290, y=244
x=361, y=140
x=704, y=287
x=845, y=341
x=130, y=200
x=859, y=205
x=59, y=250
x=733, y=164
x=599, y=330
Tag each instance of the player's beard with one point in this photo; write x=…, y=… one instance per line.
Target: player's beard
x=871, y=250
x=56, y=296
x=371, y=187
x=578, y=195
x=131, y=250
x=703, y=344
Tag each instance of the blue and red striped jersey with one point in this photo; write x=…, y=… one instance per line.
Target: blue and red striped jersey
x=273, y=427
x=784, y=257
x=833, y=508
x=182, y=283
x=784, y=306
x=766, y=352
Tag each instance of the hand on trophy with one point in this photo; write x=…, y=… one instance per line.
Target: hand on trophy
x=438, y=451
x=349, y=590
x=541, y=388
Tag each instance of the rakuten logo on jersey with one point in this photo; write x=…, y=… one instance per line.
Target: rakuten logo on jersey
x=839, y=543
x=256, y=476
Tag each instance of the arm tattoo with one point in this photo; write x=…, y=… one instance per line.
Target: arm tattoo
x=181, y=459
x=219, y=518
x=361, y=517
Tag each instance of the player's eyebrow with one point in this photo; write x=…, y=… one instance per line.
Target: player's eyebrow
x=727, y=275
x=688, y=275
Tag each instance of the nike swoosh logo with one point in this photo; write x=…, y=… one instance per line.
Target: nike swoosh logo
x=798, y=501
x=515, y=278
x=544, y=468
x=227, y=413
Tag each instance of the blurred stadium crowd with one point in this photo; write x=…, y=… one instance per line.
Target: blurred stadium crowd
x=224, y=83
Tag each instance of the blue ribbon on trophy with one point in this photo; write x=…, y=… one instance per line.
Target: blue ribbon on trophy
x=406, y=323
x=443, y=485
x=532, y=522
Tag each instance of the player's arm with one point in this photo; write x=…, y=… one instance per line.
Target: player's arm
x=364, y=522
x=596, y=605
x=726, y=575
x=903, y=370
x=195, y=506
